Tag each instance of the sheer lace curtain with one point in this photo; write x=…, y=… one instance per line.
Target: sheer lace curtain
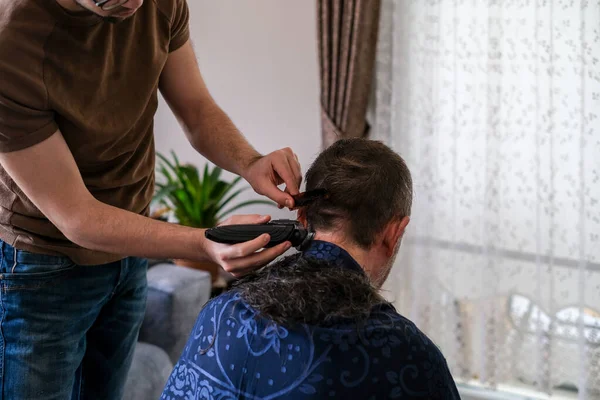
x=494, y=105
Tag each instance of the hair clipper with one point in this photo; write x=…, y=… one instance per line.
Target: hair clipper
x=280, y=231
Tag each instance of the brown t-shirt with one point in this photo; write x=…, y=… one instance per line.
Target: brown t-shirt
x=97, y=82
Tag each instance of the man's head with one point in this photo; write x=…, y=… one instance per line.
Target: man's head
x=111, y=10
x=368, y=205
x=366, y=212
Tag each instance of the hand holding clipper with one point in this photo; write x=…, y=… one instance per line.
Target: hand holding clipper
x=279, y=230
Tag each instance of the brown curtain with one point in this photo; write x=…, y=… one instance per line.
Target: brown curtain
x=347, y=46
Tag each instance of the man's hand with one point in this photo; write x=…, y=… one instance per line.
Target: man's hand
x=243, y=258
x=266, y=173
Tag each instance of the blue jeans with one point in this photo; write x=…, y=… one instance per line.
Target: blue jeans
x=67, y=331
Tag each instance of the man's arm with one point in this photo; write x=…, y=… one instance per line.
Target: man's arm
x=213, y=134
x=49, y=177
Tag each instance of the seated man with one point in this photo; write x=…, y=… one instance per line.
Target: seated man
x=314, y=325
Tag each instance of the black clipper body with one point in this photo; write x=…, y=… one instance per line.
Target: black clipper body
x=280, y=231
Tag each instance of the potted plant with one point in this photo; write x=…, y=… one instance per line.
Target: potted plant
x=196, y=201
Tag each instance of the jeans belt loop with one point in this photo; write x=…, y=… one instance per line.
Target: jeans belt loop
x=12, y=271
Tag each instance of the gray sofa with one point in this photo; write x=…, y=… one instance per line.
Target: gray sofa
x=175, y=297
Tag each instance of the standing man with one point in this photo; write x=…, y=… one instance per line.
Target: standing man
x=78, y=94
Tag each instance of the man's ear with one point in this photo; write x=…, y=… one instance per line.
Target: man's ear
x=301, y=216
x=393, y=233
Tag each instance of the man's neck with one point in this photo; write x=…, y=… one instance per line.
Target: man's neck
x=358, y=254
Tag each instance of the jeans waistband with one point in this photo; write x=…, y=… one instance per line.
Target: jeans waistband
x=10, y=254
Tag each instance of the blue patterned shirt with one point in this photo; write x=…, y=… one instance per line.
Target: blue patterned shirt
x=233, y=353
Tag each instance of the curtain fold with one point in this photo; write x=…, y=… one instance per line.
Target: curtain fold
x=347, y=41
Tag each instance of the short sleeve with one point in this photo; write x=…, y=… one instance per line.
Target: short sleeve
x=22, y=126
x=180, y=31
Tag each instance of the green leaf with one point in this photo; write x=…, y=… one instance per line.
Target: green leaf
x=191, y=173
x=231, y=197
x=206, y=177
x=206, y=186
x=165, y=190
x=219, y=190
x=232, y=185
x=166, y=174
x=184, y=199
x=216, y=174
x=175, y=158
x=191, y=181
x=164, y=161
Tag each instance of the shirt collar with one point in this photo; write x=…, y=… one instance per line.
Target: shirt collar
x=333, y=254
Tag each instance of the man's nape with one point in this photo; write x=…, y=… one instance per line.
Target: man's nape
x=377, y=259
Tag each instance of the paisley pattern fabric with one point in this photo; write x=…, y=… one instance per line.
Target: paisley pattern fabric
x=234, y=353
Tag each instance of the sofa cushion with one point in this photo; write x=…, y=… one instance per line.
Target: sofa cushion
x=149, y=373
x=175, y=297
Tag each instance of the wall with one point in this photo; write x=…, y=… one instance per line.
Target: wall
x=259, y=59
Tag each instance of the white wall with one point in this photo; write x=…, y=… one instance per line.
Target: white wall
x=259, y=59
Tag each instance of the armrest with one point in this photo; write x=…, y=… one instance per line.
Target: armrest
x=175, y=297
